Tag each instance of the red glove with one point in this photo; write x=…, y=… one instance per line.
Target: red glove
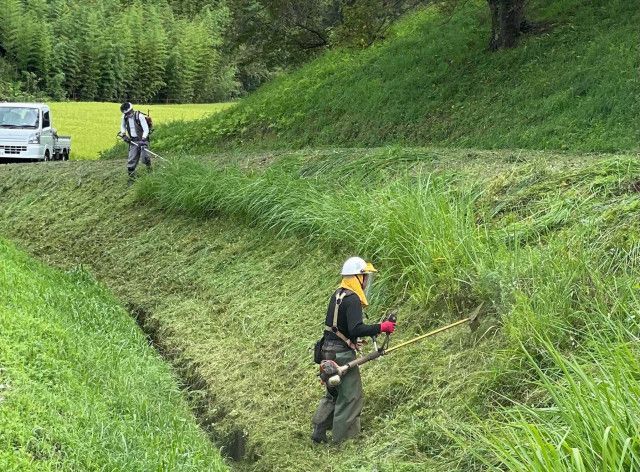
x=387, y=327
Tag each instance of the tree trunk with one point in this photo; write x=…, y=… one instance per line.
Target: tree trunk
x=507, y=18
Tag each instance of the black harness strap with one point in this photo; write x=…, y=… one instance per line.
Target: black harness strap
x=340, y=294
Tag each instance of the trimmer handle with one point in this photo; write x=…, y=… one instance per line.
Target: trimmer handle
x=393, y=317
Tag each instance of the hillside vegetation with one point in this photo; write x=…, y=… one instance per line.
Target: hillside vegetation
x=116, y=50
x=80, y=388
x=572, y=85
x=228, y=256
x=232, y=265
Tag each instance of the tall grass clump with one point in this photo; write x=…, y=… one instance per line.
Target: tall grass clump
x=422, y=231
x=591, y=418
x=533, y=247
x=80, y=387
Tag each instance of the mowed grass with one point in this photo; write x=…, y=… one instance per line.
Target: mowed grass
x=217, y=290
x=93, y=125
x=80, y=388
x=550, y=250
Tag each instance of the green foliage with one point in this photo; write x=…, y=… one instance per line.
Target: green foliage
x=591, y=423
x=194, y=57
x=10, y=86
x=117, y=50
x=574, y=86
x=267, y=37
x=80, y=388
x=547, y=242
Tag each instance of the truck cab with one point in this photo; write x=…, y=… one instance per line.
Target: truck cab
x=26, y=133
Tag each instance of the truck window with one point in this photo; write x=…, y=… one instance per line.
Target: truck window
x=19, y=117
x=46, y=120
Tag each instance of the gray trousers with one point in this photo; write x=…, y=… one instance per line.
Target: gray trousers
x=135, y=153
x=341, y=406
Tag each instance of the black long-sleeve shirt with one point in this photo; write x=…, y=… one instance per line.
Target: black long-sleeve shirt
x=349, y=319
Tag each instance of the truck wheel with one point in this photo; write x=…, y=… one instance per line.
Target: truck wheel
x=47, y=156
x=65, y=155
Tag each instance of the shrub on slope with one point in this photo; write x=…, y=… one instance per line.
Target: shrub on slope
x=80, y=389
x=574, y=86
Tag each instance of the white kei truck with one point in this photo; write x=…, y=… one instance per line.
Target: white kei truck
x=26, y=134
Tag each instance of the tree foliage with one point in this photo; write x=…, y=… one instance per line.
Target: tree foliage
x=195, y=50
x=269, y=35
x=119, y=49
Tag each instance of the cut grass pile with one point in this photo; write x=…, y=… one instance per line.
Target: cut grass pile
x=573, y=86
x=242, y=265
x=80, y=388
x=93, y=125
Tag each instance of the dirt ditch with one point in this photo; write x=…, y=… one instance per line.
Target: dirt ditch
x=200, y=396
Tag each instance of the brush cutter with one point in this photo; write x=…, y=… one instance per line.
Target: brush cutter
x=331, y=373
x=129, y=141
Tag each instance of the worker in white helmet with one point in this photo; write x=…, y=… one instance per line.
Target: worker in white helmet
x=340, y=408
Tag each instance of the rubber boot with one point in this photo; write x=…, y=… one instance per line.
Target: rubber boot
x=323, y=419
x=349, y=401
x=319, y=434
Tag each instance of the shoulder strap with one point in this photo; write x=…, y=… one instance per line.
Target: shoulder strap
x=340, y=294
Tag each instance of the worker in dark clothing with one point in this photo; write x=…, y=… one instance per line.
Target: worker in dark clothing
x=341, y=406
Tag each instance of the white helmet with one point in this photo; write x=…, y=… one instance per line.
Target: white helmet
x=357, y=266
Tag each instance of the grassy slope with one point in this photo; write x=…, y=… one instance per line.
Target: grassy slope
x=220, y=290
x=574, y=86
x=546, y=243
x=241, y=307
x=93, y=126
x=80, y=387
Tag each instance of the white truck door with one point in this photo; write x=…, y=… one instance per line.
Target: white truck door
x=46, y=136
